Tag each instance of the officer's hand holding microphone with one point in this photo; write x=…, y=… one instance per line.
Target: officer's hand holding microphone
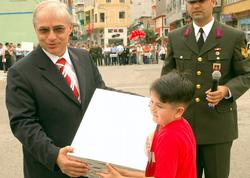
x=217, y=92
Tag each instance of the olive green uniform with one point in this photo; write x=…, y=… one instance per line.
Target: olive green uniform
x=225, y=47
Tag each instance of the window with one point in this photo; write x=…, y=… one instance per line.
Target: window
x=87, y=19
x=108, y=0
x=122, y=1
x=95, y=18
x=121, y=15
x=166, y=32
x=102, y=17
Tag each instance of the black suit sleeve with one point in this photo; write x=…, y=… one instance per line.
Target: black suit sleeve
x=24, y=120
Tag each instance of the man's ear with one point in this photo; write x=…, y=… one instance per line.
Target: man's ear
x=214, y=3
x=70, y=29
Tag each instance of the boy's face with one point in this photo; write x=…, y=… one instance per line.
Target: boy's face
x=163, y=113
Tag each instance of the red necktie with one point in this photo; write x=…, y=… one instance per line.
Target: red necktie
x=61, y=66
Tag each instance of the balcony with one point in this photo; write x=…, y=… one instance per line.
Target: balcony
x=79, y=2
x=79, y=8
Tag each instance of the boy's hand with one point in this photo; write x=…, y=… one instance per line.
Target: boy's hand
x=148, y=143
x=111, y=172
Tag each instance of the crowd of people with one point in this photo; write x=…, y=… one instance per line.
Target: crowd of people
x=103, y=56
x=9, y=54
x=119, y=54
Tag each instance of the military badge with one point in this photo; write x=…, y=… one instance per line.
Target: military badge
x=217, y=53
x=217, y=49
x=244, y=52
x=216, y=66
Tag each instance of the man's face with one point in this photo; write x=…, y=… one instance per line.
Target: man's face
x=201, y=11
x=53, y=32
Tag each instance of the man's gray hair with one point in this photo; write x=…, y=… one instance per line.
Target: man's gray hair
x=55, y=6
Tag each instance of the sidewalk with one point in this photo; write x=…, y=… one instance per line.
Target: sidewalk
x=3, y=76
x=134, y=78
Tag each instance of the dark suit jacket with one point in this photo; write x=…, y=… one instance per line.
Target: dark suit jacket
x=44, y=114
x=225, y=46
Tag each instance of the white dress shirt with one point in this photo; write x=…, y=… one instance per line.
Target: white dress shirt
x=207, y=28
x=68, y=66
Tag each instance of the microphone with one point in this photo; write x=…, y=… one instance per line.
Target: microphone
x=216, y=75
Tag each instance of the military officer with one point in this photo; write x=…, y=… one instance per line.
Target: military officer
x=212, y=114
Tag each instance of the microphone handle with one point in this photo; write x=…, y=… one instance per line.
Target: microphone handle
x=214, y=85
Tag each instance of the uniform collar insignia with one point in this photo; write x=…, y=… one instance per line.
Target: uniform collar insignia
x=244, y=52
x=218, y=32
x=187, y=32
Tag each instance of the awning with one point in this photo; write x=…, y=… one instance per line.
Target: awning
x=236, y=7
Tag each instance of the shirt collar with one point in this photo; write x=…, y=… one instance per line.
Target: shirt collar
x=207, y=28
x=54, y=58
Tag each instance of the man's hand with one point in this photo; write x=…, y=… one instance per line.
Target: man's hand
x=71, y=166
x=215, y=97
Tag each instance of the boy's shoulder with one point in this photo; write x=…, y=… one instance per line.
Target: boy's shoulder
x=177, y=129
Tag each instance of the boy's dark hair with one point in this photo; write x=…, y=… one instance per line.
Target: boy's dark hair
x=174, y=87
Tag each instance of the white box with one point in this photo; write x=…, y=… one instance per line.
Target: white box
x=114, y=130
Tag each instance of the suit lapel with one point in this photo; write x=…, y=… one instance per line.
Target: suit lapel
x=50, y=72
x=81, y=76
x=211, y=40
x=189, y=39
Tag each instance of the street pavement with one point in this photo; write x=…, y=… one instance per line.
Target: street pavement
x=133, y=78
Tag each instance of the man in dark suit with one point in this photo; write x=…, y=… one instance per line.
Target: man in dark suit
x=213, y=114
x=46, y=106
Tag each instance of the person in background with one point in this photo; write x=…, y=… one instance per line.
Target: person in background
x=47, y=94
x=2, y=56
x=162, y=52
x=114, y=55
x=8, y=54
x=19, y=52
x=173, y=149
x=196, y=48
x=106, y=54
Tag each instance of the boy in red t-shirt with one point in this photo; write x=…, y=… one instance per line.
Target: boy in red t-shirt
x=173, y=150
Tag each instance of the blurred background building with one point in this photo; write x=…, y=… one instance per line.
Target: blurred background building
x=16, y=21
x=110, y=21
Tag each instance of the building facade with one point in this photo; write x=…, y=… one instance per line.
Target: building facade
x=106, y=21
x=140, y=8
x=176, y=15
x=16, y=21
x=236, y=13
x=160, y=18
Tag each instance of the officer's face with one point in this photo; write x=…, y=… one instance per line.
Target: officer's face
x=52, y=31
x=201, y=11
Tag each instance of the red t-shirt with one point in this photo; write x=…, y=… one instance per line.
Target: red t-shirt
x=174, y=148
